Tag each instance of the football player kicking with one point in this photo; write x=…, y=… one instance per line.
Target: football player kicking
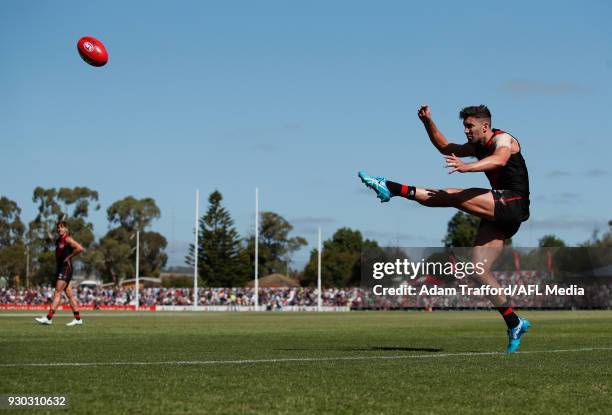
x=502, y=208
x=66, y=248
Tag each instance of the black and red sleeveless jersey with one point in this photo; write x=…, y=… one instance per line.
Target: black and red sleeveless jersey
x=62, y=250
x=513, y=176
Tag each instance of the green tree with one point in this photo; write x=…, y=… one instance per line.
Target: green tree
x=340, y=260
x=115, y=256
x=11, y=228
x=152, y=256
x=605, y=240
x=43, y=267
x=13, y=262
x=222, y=261
x=551, y=241
x=75, y=205
x=461, y=230
x=41, y=228
x=133, y=214
x=92, y=259
x=12, y=248
x=275, y=245
x=590, y=255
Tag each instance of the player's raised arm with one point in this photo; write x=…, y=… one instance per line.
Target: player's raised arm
x=438, y=139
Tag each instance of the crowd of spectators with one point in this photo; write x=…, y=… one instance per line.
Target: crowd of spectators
x=274, y=298
x=596, y=295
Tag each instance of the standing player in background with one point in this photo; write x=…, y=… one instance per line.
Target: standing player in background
x=66, y=248
x=502, y=208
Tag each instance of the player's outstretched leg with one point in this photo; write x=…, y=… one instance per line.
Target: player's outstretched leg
x=478, y=202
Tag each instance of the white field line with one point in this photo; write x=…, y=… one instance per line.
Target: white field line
x=295, y=360
x=108, y=313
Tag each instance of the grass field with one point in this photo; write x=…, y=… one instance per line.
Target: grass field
x=360, y=362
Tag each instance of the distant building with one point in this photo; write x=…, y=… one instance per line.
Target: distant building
x=275, y=281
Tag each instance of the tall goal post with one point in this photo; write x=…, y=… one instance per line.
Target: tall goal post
x=137, y=279
x=196, y=250
x=256, y=249
x=319, y=303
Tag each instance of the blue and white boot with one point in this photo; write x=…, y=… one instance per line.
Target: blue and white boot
x=378, y=184
x=515, y=334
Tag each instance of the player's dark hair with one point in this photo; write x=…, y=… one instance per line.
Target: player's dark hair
x=480, y=111
x=63, y=224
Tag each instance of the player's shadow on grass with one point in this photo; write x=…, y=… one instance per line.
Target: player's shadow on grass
x=366, y=349
x=408, y=349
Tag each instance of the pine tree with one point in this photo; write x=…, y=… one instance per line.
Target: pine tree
x=221, y=261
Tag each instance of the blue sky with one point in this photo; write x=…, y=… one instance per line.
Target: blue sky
x=295, y=98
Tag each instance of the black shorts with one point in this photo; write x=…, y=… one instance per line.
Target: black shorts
x=63, y=273
x=511, y=209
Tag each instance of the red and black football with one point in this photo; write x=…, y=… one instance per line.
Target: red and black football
x=92, y=51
